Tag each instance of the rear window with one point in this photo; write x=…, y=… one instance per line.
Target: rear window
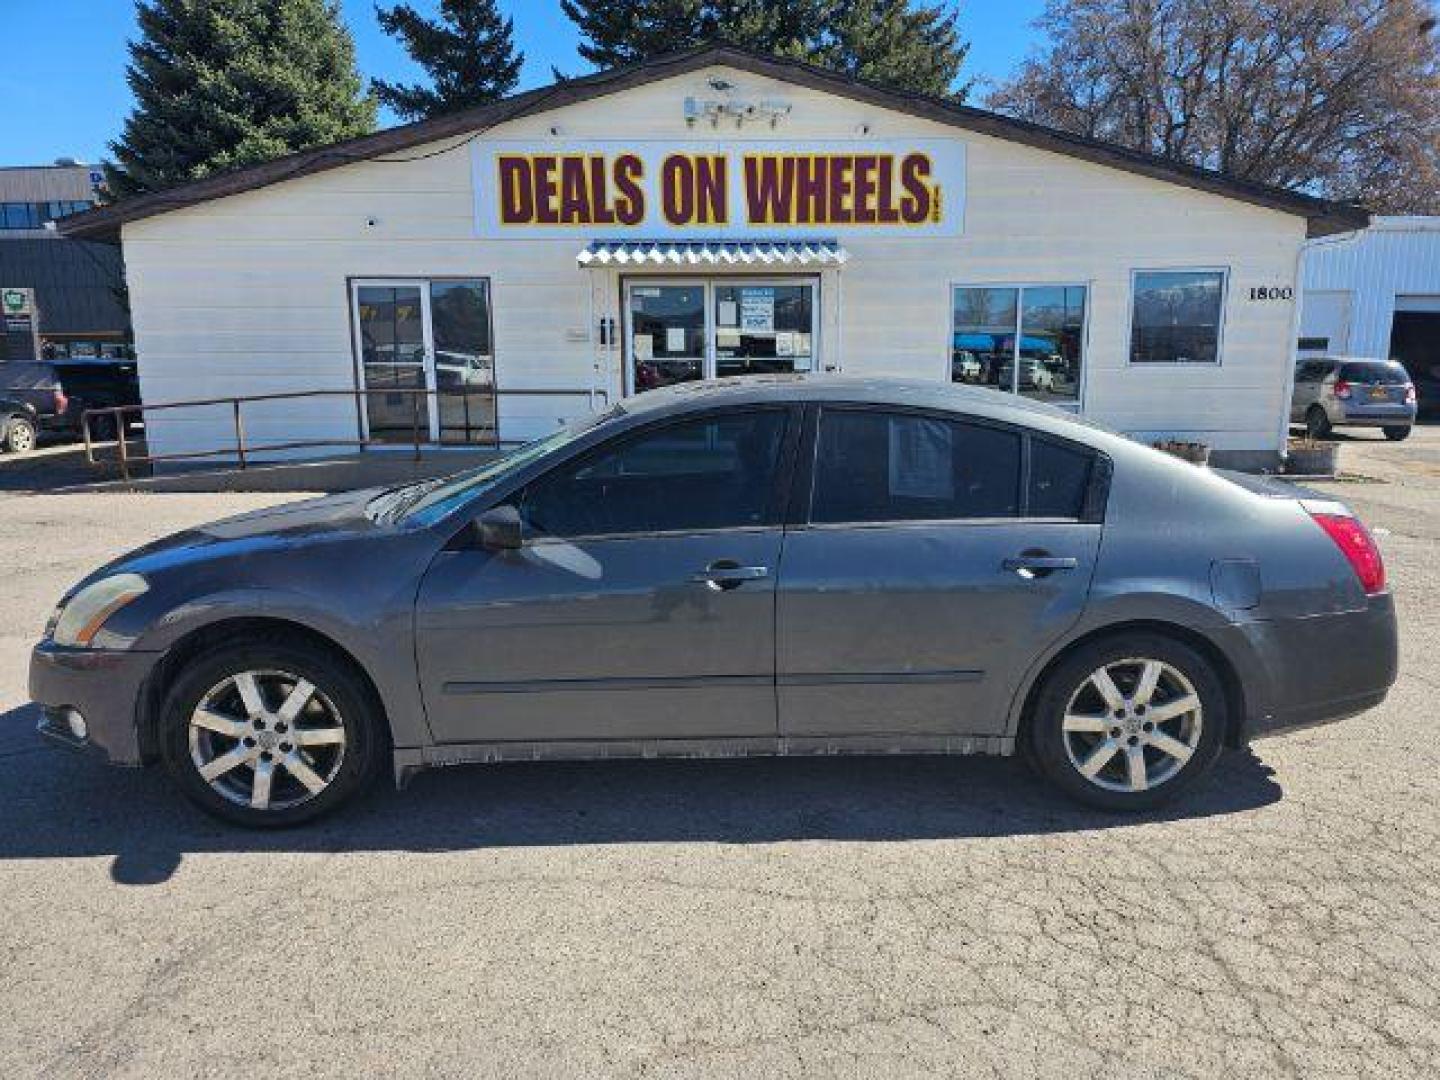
x=1377, y=374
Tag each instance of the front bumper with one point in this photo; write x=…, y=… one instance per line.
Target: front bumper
x=1314, y=670
x=103, y=685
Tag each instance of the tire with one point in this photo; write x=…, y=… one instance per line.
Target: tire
x=1317, y=424
x=1397, y=434
x=342, y=736
x=20, y=435
x=1071, y=728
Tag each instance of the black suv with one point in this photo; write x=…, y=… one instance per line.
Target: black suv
x=50, y=397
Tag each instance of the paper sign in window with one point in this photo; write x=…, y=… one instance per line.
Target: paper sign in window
x=757, y=311
x=643, y=347
x=675, y=339
x=922, y=459
x=729, y=313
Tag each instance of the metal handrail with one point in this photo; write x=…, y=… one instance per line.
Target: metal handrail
x=242, y=448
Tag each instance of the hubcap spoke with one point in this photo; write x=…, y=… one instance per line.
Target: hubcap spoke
x=1174, y=747
x=297, y=768
x=1107, y=689
x=297, y=700
x=318, y=736
x=1135, y=768
x=260, y=793
x=249, y=689
x=221, y=725
x=1099, y=757
x=1090, y=725
x=1171, y=709
x=224, y=763
x=1149, y=679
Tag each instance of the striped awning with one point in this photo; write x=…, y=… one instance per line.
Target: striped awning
x=713, y=253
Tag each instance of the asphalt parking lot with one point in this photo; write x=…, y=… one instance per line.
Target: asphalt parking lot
x=883, y=918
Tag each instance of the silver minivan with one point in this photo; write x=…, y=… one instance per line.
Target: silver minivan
x=1331, y=391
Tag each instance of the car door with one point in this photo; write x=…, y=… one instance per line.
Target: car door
x=641, y=606
x=938, y=558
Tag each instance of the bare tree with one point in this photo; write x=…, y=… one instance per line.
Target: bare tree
x=1337, y=97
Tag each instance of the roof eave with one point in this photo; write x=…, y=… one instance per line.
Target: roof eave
x=104, y=223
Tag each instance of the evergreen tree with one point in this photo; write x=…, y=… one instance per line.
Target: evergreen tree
x=469, y=54
x=223, y=83
x=908, y=44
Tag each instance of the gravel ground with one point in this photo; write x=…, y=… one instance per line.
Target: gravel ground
x=883, y=918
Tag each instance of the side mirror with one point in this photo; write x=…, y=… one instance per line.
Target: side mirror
x=501, y=529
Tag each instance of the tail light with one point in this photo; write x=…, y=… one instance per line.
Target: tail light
x=1409, y=393
x=61, y=401
x=1357, y=545
x=1342, y=389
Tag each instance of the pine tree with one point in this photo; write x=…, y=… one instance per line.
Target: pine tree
x=469, y=54
x=907, y=44
x=223, y=83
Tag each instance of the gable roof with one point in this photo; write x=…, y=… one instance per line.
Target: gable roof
x=1324, y=217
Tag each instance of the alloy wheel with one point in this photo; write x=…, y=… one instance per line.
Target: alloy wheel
x=1132, y=725
x=268, y=740
x=22, y=438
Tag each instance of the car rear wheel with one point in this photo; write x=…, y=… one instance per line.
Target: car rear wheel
x=269, y=735
x=1317, y=424
x=1397, y=434
x=20, y=435
x=1130, y=722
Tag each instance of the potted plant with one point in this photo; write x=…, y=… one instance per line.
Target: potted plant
x=1197, y=453
x=1305, y=456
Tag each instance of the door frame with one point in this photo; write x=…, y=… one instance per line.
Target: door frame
x=708, y=282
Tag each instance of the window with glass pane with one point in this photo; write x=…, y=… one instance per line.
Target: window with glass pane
x=983, y=341
x=1059, y=479
x=1176, y=317
x=762, y=329
x=875, y=466
x=1052, y=336
x=464, y=360
x=711, y=473
x=667, y=334
x=392, y=353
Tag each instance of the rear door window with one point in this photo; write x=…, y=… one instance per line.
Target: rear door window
x=1060, y=478
x=873, y=466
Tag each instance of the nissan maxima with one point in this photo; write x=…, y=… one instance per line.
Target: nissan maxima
x=787, y=565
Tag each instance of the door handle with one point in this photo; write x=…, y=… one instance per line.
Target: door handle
x=726, y=574
x=1037, y=564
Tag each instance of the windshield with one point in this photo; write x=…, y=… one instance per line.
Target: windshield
x=434, y=498
x=1375, y=373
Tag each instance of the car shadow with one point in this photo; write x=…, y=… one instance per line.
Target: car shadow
x=58, y=804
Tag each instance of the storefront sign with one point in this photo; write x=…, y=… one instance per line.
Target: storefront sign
x=727, y=189
x=17, y=301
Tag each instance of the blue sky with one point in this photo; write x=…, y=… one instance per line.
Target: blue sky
x=64, y=93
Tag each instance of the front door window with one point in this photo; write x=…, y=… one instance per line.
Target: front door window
x=427, y=364
x=685, y=331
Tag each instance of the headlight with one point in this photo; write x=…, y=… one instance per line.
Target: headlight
x=77, y=622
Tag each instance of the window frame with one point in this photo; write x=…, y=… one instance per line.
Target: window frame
x=1220, y=324
x=775, y=502
x=1021, y=287
x=802, y=503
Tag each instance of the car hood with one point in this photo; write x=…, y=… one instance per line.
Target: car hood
x=330, y=518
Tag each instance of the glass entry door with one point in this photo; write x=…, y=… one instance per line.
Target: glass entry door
x=682, y=331
x=426, y=362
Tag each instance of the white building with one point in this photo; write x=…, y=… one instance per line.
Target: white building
x=1377, y=293
x=711, y=213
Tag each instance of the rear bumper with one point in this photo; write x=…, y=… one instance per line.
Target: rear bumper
x=103, y=686
x=1315, y=670
x=1376, y=416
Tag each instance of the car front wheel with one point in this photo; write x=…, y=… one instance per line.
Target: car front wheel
x=20, y=435
x=269, y=735
x=1397, y=434
x=1127, y=723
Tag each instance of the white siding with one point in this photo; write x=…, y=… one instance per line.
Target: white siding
x=248, y=294
x=1392, y=264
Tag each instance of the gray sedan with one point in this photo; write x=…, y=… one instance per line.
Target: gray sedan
x=789, y=565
